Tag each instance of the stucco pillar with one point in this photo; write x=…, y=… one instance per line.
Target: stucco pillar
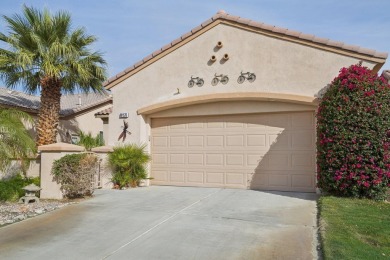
x=50, y=153
x=105, y=173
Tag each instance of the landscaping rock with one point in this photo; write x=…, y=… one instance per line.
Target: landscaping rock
x=13, y=212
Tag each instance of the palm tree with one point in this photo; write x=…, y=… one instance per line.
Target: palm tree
x=45, y=54
x=15, y=142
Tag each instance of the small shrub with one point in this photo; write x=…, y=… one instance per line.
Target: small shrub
x=88, y=141
x=129, y=165
x=353, y=135
x=11, y=189
x=75, y=174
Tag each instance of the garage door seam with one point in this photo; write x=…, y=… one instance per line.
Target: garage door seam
x=160, y=223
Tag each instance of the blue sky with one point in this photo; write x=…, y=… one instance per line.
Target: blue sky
x=129, y=30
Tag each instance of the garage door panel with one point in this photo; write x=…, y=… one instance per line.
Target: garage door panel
x=216, y=125
x=196, y=125
x=302, y=121
x=279, y=120
x=177, y=141
x=195, y=159
x=235, y=159
x=258, y=140
x=256, y=159
x=302, y=160
x=302, y=180
x=278, y=161
x=214, y=159
x=215, y=178
x=279, y=141
x=259, y=151
x=234, y=124
x=234, y=140
x=215, y=141
x=177, y=176
x=195, y=141
x=195, y=177
x=235, y=179
x=160, y=141
x=277, y=179
x=160, y=158
x=160, y=176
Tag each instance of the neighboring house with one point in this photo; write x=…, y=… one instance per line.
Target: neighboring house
x=386, y=75
x=77, y=111
x=245, y=132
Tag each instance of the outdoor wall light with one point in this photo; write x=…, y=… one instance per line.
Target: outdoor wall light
x=219, y=78
x=195, y=80
x=219, y=44
x=246, y=76
x=213, y=58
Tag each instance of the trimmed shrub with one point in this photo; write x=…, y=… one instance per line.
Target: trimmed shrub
x=353, y=135
x=75, y=173
x=11, y=189
x=128, y=163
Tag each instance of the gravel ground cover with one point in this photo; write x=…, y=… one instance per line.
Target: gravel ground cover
x=14, y=212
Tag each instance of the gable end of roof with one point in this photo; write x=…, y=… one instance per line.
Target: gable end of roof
x=222, y=16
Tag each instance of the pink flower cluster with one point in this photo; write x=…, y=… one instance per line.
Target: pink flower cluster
x=353, y=134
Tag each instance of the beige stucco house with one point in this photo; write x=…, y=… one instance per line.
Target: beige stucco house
x=254, y=128
x=77, y=113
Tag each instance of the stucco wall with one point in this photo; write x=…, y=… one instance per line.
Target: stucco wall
x=280, y=67
x=85, y=121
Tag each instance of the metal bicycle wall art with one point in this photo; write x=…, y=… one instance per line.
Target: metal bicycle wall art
x=195, y=80
x=246, y=76
x=224, y=79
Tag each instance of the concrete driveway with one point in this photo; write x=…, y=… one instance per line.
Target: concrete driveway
x=170, y=223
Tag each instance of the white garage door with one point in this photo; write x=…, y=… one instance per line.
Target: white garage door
x=273, y=151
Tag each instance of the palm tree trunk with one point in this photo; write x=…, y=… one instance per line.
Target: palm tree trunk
x=49, y=112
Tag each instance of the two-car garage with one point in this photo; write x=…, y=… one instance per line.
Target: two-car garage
x=267, y=151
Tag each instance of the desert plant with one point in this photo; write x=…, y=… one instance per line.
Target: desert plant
x=128, y=163
x=45, y=54
x=88, y=141
x=15, y=142
x=75, y=173
x=353, y=135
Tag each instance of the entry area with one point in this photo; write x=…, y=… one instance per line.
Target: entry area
x=267, y=151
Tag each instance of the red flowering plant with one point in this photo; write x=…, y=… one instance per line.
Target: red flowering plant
x=353, y=135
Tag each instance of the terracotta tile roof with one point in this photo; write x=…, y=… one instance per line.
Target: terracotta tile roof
x=104, y=112
x=69, y=103
x=222, y=15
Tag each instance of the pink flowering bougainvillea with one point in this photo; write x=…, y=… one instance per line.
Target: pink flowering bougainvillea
x=353, y=135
